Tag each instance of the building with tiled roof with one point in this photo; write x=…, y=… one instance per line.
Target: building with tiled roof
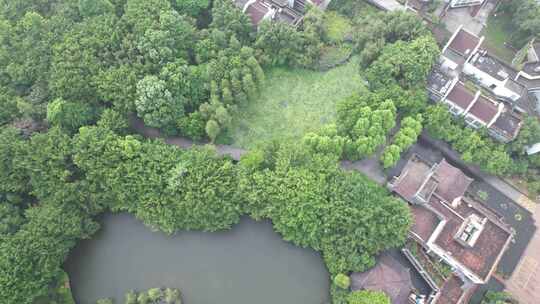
x=478, y=111
x=452, y=226
x=288, y=11
x=463, y=56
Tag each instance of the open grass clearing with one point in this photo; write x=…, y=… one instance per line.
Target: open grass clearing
x=498, y=33
x=294, y=102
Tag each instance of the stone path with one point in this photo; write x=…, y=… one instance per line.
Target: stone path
x=524, y=284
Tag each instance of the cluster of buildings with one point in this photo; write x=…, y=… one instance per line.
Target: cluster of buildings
x=451, y=226
x=288, y=11
x=479, y=87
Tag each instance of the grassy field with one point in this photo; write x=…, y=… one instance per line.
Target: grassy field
x=497, y=32
x=294, y=102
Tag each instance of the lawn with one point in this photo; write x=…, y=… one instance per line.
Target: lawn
x=294, y=102
x=499, y=29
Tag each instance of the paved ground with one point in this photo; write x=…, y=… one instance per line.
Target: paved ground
x=457, y=16
x=524, y=284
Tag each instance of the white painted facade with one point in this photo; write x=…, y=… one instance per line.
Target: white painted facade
x=495, y=85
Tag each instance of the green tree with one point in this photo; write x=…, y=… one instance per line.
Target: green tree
x=172, y=296
x=201, y=194
x=342, y=281
x=69, y=116
x=131, y=297
x=368, y=297
x=192, y=8
x=493, y=297
x=212, y=129
x=155, y=104
x=89, y=8
x=114, y=121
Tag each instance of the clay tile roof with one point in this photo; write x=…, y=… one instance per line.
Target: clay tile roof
x=256, y=12
x=388, y=276
x=484, y=109
x=461, y=96
x=464, y=43
x=411, y=179
x=452, y=182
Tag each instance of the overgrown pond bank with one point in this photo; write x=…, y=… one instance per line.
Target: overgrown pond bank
x=247, y=264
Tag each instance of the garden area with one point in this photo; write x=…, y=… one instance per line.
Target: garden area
x=498, y=31
x=294, y=102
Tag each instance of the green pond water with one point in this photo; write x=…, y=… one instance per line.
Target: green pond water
x=249, y=264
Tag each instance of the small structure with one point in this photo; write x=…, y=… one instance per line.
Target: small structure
x=464, y=3
x=451, y=225
x=388, y=276
x=288, y=11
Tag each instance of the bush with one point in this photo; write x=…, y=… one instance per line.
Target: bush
x=342, y=281
x=368, y=297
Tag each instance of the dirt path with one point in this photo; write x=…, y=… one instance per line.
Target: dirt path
x=369, y=167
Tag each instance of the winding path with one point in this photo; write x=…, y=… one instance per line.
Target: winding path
x=370, y=167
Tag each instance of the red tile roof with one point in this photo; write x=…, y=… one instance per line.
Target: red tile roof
x=464, y=43
x=461, y=96
x=425, y=222
x=480, y=258
x=484, y=109
x=256, y=11
x=452, y=182
x=411, y=179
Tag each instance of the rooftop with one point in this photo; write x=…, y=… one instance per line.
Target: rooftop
x=425, y=221
x=256, y=11
x=438, y=82
x=461, y=96
x=484, y=109
x=508, y=123
x=452, y=291
x=462, y=228
x=388, y=276
x=490, y=65
x=464, y=42
x=483, y=256
x=532, y=68
x=452, y=182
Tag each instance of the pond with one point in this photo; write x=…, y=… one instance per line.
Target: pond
x=247, y=264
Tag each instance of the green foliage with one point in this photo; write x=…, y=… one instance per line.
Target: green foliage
x=366, y=119
x=524, y=17
x=303, y=190
x=131, y=297
x=69, y=116
x=89, y=8
x=493, y=297
x=51, y=231
x=406, y=137
x=376, y=30
x=404, y=63
x=202, y=195
x=368, y=297
x=155, y=103
x=279, y=43
x=191, y=7
x=13, y=177
x=10, y=218
x=342, y=281
x=114, y=121
x=172, y=296
x=476, y=148
x=231, y=20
